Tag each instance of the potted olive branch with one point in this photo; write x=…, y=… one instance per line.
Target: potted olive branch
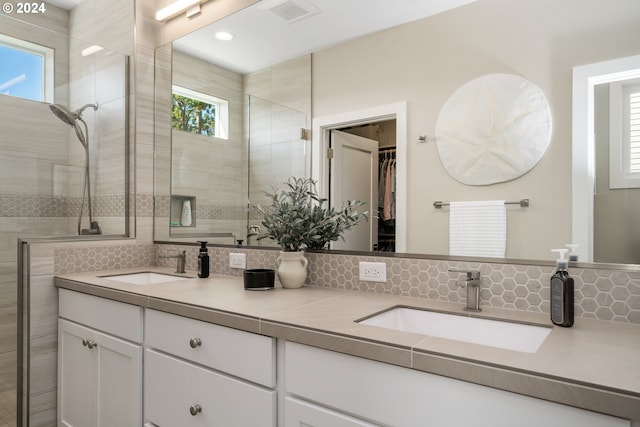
x=299, y=218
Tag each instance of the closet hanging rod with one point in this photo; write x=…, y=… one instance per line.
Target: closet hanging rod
x=524, y=203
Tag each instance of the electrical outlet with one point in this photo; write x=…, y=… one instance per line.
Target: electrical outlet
x=373, y=271
x=237, y=260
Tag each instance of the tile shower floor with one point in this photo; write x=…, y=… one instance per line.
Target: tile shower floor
x=8, y=408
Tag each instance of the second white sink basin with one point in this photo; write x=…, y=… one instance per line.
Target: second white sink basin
x=495, y=333
x=145, y=278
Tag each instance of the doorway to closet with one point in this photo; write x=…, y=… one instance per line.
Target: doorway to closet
x=362, y=166
x=322, y=126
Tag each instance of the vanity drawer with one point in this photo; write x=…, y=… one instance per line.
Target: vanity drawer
x=115, y=318
x=239, y=353
x=178, y=393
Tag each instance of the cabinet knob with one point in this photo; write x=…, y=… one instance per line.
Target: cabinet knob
x=89, y=343
x=195, y=409
x=195, y=342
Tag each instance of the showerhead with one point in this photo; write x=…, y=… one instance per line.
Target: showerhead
x=64, y=114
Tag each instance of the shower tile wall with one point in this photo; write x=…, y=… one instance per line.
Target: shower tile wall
x=41, y=160
x=279, y=106
x=100, y=79
x=210, y=169
x=33, y=154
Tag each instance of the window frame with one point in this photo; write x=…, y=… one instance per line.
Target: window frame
x=221, y=107
x=47, y=54
x=620, y=174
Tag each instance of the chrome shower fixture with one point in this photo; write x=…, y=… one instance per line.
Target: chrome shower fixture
x=72, y=118
x=67, y=116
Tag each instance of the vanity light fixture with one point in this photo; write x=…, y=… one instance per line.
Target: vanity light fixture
x=224, y=36
x=191, y=7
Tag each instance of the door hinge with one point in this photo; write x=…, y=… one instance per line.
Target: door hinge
x=329, y=153
x=305, y=134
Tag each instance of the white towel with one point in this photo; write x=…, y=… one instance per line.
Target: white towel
x=478, y=228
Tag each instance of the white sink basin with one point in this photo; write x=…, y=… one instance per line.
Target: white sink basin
x=145, y=278
x=495, y=333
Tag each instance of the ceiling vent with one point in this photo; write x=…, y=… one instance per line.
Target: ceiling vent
x=290, y=10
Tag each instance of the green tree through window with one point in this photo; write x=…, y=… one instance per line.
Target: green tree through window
x=192, y=115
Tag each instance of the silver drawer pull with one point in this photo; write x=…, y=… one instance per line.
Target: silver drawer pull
x=89, y=343
x=195, y=342
x=195, y=409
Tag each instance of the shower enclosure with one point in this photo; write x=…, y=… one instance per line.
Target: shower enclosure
x=59, y=178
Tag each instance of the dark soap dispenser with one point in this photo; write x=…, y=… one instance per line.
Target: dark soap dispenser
x=203, y=261
x=561, y=292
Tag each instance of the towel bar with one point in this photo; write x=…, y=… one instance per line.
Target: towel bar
x=524, y=203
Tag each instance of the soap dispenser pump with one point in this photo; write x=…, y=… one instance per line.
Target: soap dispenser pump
x=203, y=261
x=562, y=292
x=573, y=255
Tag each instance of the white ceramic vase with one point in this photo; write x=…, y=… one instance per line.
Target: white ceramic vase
x=292, y=269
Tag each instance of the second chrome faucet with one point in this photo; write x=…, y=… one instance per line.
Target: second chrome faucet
x=472, y=283
x=181, y=260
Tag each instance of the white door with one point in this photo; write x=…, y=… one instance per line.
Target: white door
x=354, y=176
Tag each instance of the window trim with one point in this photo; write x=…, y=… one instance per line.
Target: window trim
x=222, y=108
x=620, y=175
x=47, y=55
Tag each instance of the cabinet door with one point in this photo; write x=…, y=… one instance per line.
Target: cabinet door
x=99, y=378
x=178, y=393
x=119, y=372
x=76, y=376
x=298, y=413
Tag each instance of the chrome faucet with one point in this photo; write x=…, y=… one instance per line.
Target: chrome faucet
x=181, y=260
x=473, y=289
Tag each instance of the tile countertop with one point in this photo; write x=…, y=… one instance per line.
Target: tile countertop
x=594, y=365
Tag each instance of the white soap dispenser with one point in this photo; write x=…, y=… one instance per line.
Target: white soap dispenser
x=561, y=292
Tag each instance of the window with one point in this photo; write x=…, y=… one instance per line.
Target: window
x=199, y=113
x=27, y=69
x=624, y=146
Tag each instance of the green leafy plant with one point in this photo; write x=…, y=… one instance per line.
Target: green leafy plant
x=299, y=218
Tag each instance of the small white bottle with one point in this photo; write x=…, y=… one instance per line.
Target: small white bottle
x=186, y=220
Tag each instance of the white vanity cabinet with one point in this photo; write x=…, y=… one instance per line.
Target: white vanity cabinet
x=99, y=362
x=201, y=374
x=384, y=394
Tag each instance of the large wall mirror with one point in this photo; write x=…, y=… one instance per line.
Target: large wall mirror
x=418, y=64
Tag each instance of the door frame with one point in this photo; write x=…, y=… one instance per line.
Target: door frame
x=320, y=143
x=585, y=77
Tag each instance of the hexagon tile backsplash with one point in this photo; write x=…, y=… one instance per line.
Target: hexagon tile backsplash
x=605, y=294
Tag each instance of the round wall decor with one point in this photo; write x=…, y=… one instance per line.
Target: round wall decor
x=493, y=129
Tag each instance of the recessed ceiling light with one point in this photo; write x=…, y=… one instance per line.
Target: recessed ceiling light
x=224, y=36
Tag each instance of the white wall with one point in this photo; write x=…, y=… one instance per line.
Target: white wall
x=424, y=62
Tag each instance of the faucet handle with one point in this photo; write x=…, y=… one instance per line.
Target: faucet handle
x=471, y=274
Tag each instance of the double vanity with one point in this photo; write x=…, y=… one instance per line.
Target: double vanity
x=166, y=349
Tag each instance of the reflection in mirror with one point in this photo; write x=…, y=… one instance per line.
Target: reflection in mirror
x=423, y=62
x=218, y=174
x=606, y=175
